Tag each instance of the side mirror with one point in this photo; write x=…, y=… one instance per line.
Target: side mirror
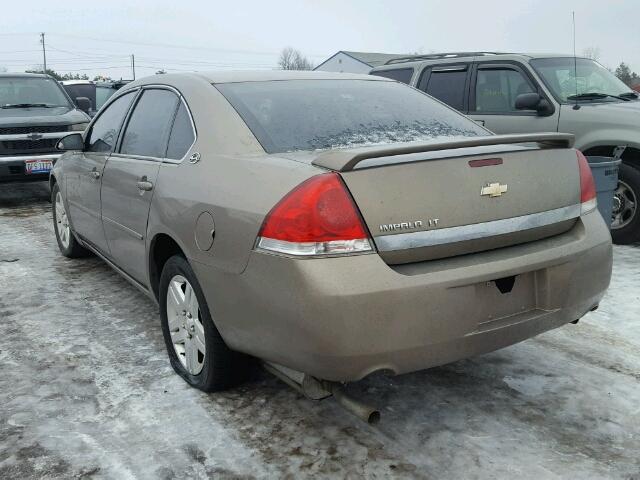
x=528, y=101
x=533, y=101
x=70, y=142
x=83, y=104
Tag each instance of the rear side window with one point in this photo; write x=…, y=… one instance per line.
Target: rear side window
x=82, y=90
x=104, y=131
x=448, y=86
x=295, y=115
x=148, y=128
x=497, y=89
x=182, y=135
x=400, y=74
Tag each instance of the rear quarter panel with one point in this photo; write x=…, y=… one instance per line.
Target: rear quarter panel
x=235, y=181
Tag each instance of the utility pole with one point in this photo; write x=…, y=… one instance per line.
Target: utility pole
x=44, y=53
x=133, y=65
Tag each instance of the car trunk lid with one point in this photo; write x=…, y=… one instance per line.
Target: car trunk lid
x=428, y=203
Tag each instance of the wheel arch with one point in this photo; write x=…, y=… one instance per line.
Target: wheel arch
x=631, y=155
x=161, y=248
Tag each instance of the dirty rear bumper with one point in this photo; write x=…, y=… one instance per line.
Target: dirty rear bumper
x=343, y=318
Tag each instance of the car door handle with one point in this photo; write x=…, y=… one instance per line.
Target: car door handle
x=95, y=173
x=144, y=185
x=479, y=122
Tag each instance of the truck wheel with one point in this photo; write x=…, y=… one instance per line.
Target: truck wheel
x=625, y=223
x=196, y=350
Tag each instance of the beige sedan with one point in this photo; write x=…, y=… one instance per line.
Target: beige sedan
x=330, y=225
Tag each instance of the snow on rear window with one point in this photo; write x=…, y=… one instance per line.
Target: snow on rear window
x=296, y=115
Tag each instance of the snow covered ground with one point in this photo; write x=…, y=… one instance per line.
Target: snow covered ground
x=86, y=390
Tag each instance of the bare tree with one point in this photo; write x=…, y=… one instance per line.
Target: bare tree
x=592, y=52
x=292, y=59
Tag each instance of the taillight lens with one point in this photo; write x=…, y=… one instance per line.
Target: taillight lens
x=318, y=217
x=587, y=185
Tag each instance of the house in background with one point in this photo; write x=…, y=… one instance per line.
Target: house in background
x=355, y=62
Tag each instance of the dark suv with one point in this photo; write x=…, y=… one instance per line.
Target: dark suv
x=35, y=112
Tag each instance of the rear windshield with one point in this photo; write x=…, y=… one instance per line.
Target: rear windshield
x=31, y=90
x=295, y=115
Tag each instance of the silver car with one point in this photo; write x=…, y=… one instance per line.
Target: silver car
x=330, y=225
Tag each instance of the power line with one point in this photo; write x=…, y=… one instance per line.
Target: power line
x=166, y=45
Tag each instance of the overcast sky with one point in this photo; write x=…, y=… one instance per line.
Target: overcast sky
x=97, y=37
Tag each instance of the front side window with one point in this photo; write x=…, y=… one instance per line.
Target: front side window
x=321, y=114
x=400, y=74
x=17, y=92
x=182, y=136
x=104, y=131
x=565, y=80
x=148, y=128
x=448, y=86
x=497, y=89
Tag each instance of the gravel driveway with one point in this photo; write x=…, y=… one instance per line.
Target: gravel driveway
x=86, y=390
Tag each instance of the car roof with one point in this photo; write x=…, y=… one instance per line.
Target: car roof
x=77, y=82
x=455, y=57
x=24, y=75
x=233, y=76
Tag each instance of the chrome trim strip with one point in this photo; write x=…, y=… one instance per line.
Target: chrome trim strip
x=430, y=238
x=131, y=232
x=26, y=156
x=27, y=136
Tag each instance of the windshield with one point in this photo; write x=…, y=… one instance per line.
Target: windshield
x=559, y=75
x=320, y=114
x=31, y=90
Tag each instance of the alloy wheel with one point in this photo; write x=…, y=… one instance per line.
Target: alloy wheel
x=185, y=324
x=62, y=222
x=625, y=205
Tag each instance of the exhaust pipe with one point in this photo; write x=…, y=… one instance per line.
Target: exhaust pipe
x=361, y=410
x=315, y=389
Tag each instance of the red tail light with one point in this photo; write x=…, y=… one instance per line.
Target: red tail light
x=318, y=217
x=587, y=185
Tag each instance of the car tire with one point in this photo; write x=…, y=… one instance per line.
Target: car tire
x=67, y=242
x=188, y=329
x=628, y=191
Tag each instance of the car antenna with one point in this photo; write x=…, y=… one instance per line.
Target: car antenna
x=575, y=61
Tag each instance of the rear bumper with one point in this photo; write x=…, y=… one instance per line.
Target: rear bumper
x=12, y=167
x=343, y=318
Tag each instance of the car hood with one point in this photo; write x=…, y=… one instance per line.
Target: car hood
x=17, y=117
x=614, y=112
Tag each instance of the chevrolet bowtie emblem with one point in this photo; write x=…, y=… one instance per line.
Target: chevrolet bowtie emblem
x=493, y=190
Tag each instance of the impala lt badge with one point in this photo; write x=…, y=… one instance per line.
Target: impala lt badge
x=493, y=190
x=390, y=227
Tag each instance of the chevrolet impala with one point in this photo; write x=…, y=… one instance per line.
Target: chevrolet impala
x=330, y=225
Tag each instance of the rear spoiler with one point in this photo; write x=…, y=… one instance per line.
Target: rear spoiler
x=342, y=160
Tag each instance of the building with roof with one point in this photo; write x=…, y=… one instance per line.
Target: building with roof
x=355, y=62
